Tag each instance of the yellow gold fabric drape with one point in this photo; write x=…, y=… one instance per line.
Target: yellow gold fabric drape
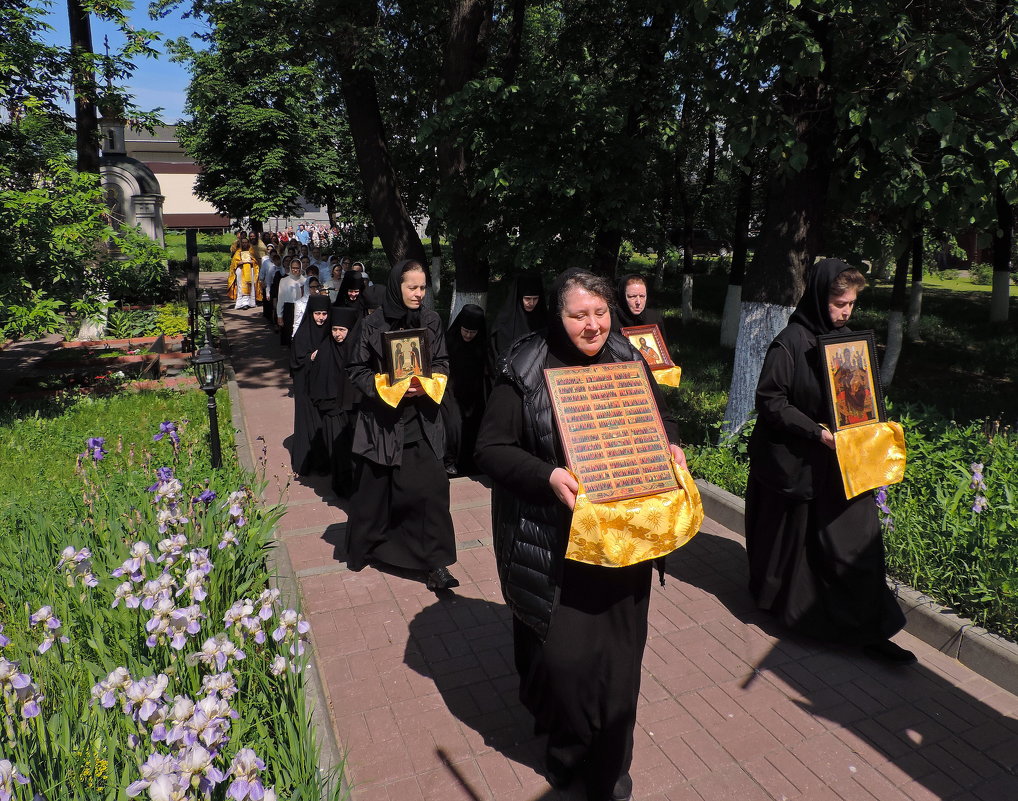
x=623, y=533
x=870, y=456
x=434, y=387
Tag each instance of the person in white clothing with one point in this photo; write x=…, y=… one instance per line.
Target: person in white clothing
x=291, y=289
x=301, y=304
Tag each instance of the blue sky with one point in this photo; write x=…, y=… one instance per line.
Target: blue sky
x=157, y=82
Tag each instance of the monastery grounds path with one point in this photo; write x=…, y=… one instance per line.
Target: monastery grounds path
x=422, y=694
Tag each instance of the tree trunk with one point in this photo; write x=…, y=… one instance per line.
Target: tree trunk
x=388, y=211
x=915, y=298
x=256, y=225
x=608, y=233
x=465, y=54
x=740, y=247
x=1003, y=241
x=792, y=229
x=330, y=208
x=514, y=42
x=895, y=319
x=86, y=121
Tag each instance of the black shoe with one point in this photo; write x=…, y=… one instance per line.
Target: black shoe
x=623, y=788
x=559, y=776
x=441, y=579
x=889, y=652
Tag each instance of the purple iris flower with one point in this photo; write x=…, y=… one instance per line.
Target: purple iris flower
x=168, y=429
x=94, y=447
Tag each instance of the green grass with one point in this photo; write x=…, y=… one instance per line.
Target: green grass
x=936, y=281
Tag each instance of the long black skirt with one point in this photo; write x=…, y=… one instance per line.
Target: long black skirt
x=582, y=683
x=401, y=515
x=308, y=452
x=818, y=565
x=286, y=332
x=337, y=431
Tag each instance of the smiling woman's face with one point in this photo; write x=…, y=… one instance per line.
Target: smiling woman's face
x=587, y=320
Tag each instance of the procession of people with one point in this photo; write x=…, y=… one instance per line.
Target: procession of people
x=391, y=402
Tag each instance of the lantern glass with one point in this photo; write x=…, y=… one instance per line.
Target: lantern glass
x=209, y=369
x=205, y=306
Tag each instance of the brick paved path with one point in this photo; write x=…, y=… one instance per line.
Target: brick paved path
x=423, y=692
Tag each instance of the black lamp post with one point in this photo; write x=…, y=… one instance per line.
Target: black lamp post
x=210, y=370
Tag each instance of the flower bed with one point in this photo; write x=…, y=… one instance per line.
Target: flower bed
x=143, y=652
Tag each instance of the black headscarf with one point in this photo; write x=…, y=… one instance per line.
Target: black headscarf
x=470, y=317
x=812, y=311
x=467, y=359
x=513, y=321
x=559, y=343
x=623, y=315
x=351, y=280
x=373, y=297
x=398, y=315
x=309, y=336
x=329, y=386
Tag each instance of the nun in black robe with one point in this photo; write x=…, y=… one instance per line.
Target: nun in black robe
x=307, y=448
x=467, y=393
x=514, y=321
x=353, y=281
x=401, y=517
x=624, y=316
x=579, y=630
x=816, y=559
x=334, y=396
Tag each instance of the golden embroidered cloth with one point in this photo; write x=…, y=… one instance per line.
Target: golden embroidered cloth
x=623, y=533
x=669, y=376
x=434, y=387
x=870, y=456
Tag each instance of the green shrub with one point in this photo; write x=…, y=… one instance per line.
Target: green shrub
x=27, y=313
x=981, y=274
x=171, y=319
x=130, y=323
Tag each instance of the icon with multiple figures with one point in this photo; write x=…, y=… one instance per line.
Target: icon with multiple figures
x=407, y=354
x=648, y=340
x=852, y=380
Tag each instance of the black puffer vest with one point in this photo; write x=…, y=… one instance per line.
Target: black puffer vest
x=530, y=538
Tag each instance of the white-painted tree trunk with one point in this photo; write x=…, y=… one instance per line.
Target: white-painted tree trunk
x=436, y=273
x=461, y=299
x=730, y=316
x=759, y=323
x=915, y=310
x=94, y=328
x=895, y=335
x=687, y=298
x=1000, y=297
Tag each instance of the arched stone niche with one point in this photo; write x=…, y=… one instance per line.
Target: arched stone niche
x=132, y=194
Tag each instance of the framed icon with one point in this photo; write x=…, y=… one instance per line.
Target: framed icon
x=852, y=379
x=648, y=340
x=611, y=430
x=407, y=354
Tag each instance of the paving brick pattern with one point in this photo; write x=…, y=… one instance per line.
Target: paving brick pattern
x=423, y=693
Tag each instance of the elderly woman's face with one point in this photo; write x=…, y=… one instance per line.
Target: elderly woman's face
x=636, y=296
x=587, y=319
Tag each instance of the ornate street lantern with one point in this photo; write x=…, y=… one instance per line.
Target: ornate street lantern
x=210, y=370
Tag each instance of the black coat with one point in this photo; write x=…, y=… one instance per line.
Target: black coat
x=379, y=432
x=530, y=525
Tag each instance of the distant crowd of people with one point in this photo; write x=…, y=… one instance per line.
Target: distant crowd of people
x=474, y=399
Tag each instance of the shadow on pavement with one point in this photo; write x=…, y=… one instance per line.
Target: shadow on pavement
x=946, y=739
x=465, y=646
